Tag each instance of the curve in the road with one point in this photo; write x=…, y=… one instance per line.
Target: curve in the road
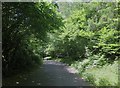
x=51, y=73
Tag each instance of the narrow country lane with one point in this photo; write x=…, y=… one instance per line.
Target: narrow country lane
x=51, y=73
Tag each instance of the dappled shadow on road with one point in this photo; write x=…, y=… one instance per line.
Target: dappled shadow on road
x=51, y=73
x=61, y=74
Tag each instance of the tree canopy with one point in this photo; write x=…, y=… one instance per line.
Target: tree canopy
x=24, y=29
x=83, y=35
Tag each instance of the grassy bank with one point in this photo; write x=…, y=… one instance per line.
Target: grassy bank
x=106, y=75
x=100, y=76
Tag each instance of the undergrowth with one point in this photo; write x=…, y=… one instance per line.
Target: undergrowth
x=98, y=75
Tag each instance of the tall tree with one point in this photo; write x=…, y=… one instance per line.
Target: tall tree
x=24, y=28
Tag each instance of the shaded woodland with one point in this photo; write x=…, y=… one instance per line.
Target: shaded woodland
x=83, y=35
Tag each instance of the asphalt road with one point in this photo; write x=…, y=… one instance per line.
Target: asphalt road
x=51, y=73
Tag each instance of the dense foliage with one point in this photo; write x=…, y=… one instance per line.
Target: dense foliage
x=24, y=29
x=95, y=28
x=84, y=35
x=90, y=39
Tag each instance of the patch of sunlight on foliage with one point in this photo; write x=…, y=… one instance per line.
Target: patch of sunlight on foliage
x=90, y=62
x=86, y=33
x=104, y=76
